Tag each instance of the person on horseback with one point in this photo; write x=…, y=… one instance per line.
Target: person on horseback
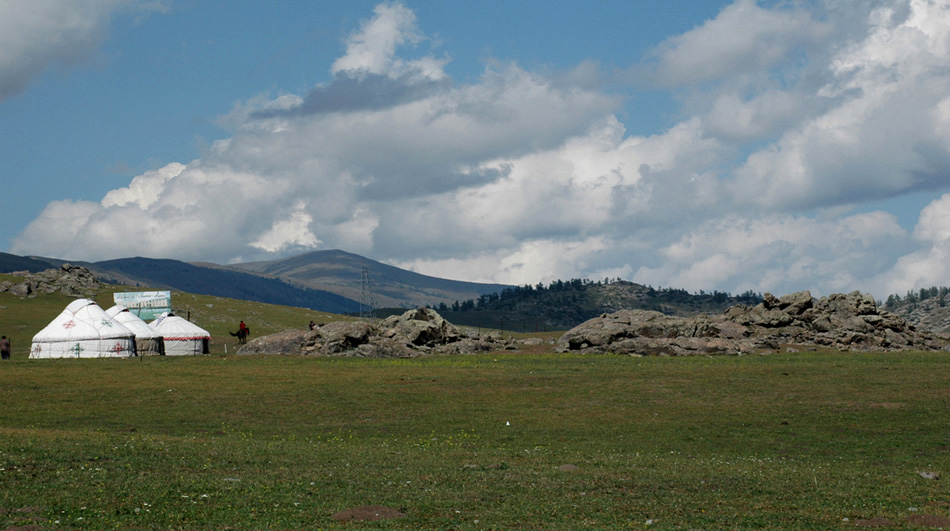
x=242, y=333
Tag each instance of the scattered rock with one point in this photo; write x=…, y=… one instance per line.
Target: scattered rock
x=368, y=513
x=928, y=474
x=844, y=322
x=414, y=333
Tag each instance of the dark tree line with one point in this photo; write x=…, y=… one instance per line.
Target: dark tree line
x=569, y=289
x=914, y=297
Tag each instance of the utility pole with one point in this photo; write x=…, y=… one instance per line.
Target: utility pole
x=367, y=301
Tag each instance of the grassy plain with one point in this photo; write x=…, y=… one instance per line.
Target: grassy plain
x=517, y=440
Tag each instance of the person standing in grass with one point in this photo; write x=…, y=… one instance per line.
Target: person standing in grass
x=4, y=348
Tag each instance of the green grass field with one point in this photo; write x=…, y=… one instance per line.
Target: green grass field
x=523, y=440
x=496, y=441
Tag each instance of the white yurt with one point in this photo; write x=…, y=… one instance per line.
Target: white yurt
x=182, y=337
x=147, y=340
x=83, y=330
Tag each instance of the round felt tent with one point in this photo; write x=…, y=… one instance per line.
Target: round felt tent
x=83, y=330
x=182, y=337
x=147, y=340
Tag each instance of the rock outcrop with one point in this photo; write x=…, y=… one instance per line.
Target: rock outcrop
x=839, y=321
x=414, y=333
x=931, y=314
x=72, y=280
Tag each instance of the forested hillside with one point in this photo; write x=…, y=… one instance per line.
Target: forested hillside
x=927, y=308
x=564, y=304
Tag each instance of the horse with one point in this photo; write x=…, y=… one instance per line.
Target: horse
x=241, y=334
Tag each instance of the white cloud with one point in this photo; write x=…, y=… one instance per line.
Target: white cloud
x=144, y=190
x=372, y=50
x=526, y=263
x=742, y=38
x=290, y=232
x=778, y=254
x=880, y=134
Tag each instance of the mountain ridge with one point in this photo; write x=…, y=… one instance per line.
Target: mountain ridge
x=321, y=280
x=339, y=272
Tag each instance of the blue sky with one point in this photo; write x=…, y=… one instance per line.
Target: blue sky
x=773, y=146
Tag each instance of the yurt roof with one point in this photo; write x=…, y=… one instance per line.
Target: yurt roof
x=132, y=322
x=170, y=326
x=82, y=319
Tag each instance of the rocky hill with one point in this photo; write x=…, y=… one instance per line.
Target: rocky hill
x=843, y=322
x=928, y=309
x=75, y=281
x=933, y=315
x=416, y=332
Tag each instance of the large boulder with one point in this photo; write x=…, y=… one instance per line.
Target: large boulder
x=414, y=333
x=840, y=321
x=342, y=336
x=421, y=327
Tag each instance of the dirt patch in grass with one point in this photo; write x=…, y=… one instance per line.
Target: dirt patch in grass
x=872, y=405
x=929, y=520
x=23, y=518
x=368, y=513
x=874, y=522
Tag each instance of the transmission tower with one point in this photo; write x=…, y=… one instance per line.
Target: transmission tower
x=367, y=301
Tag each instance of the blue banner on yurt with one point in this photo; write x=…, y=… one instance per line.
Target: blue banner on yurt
x=147, y=305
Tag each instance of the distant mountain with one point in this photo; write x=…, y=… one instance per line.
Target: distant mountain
x=341, y=272
x=219, y=281
x=329, y=281
x=10, y=263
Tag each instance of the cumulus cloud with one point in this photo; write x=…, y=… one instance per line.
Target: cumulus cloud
x=372, y=49
x=291, y=232
x=793, y=116
x=370, y=76
x=779, y=253
x=744, y=38
x=879, y=137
